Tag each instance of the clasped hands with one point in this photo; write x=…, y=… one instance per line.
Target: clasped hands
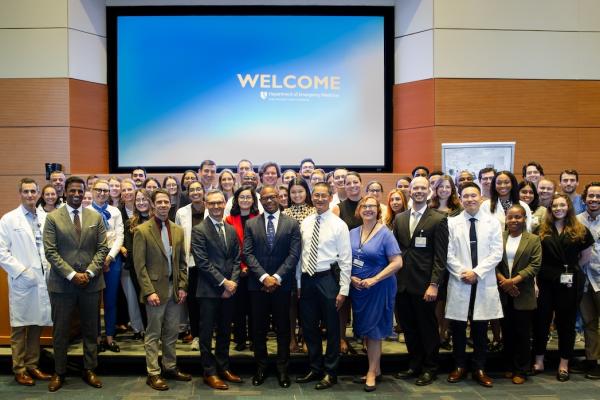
x=81, y=279
x=270, y=283
x=469, y=277
x=360, y=284
x=230, y=288
x=509, y=286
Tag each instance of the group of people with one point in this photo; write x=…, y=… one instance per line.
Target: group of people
x=299, y=253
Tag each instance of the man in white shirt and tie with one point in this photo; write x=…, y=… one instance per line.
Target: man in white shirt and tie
x=323, y=277
x=474, y=250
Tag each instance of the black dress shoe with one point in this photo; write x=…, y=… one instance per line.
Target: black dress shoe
x=284, y=380
x=562, y=375
x=112, y=346
x=409, y=373
x=259, y=378
x=138, y=336
x=240, y=346
x=327, y=382
x=100, y=348
x=425, y=378
x=310, y=377
x=361, y=380
x=593, y=373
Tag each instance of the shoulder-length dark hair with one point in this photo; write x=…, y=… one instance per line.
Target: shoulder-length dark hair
x=41, y=201
x=187, y=171
x=299, y=182
x=514, y=190
x=235, y=205
x=535, y=203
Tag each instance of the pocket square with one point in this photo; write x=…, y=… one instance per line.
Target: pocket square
x=91, y=226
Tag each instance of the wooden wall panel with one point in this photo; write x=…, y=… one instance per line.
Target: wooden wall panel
x=89, y=150
x=588, y=103
x=414, y=147
x=34, y=102
x=414, y=104
x=88, y=104
x=500, y=102
x=24, y=150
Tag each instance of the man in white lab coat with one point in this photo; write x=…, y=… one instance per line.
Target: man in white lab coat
x=474, y=250
x=22, y=257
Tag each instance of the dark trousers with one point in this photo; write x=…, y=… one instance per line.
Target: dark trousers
x=317, y=303
x=516, y=334
x=192, y=306
x=420, y=326
x=459, y=342
x=63, y=305
x=560, y=300
x=264, y=305
x=216, y=313
x=242, y=317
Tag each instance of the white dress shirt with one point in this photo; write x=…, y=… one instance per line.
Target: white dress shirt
x=334, y=245
x=72, y=216
x=275, y=224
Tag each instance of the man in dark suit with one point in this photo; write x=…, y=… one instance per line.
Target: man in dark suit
x=422, y=234
x=217, y=256
x=159, y=262
x=75, y=247
x=271, y=249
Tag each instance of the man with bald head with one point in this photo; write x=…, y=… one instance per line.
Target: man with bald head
x=422, y=234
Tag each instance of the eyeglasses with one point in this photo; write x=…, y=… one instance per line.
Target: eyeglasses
x=214, y=203
x=101, y=190
x=246, y=198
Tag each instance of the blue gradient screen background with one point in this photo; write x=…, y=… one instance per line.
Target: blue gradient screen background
x=179, y=99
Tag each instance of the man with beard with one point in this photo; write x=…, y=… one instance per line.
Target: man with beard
x=139, y=176
x=569, y=180
x=75, y=246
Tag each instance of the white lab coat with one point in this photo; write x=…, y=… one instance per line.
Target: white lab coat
x=183, y=218
x=501, y=217
x=29, y=303
x=489, y=254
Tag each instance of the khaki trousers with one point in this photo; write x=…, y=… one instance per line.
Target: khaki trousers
x=25, y=346
x=590, y=311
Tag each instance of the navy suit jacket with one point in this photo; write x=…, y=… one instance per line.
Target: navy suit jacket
x=281, y=259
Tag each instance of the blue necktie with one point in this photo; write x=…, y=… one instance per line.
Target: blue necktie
x=270, y=232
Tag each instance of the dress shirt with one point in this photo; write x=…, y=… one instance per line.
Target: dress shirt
x=334, y=245
x=114, y=231
x=72, y=216
x=275, y=222
x=592, y=269
x=215, y=222
x=512, y=244
x=414, y=218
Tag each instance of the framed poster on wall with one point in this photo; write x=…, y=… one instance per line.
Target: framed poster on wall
x=473, y=156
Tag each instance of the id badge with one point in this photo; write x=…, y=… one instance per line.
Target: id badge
x=420, y=241
x=358, y=263
x=566, y=279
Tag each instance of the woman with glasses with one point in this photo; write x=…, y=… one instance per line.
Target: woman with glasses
x=375, y=189
x=172, y=185
x=244, y=207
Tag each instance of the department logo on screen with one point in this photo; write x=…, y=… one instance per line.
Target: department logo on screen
x=292, y=87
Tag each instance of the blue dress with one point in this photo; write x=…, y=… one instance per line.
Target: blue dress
x=374, y=307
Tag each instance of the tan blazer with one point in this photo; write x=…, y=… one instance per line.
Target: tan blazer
x=151, y=263
x=66, y=253
x=527, y=263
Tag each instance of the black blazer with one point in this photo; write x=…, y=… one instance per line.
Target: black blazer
x=282, y=259
x=214, y=262
x=422, y=265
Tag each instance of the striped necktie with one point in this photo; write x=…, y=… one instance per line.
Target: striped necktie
x=311, y=268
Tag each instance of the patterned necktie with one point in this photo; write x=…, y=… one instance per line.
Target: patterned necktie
x=77, y=223
x=311, y=268
x=270, y=232
x=473, y=241
x=221, y=233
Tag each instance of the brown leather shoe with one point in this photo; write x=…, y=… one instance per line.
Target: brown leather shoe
x=157, y=382
x=91, y=379
x=480, y=377
x=177, y=375
x=457, y=375
x=24, y=379
x=230, y=377
x=518, y=379
x=38, y=374
x=215, y=382
x=55, y=383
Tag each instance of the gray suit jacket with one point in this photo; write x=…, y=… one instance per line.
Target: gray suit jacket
x=282, y=259
x=527, y=263
x=67, y=254
x=214, y=261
